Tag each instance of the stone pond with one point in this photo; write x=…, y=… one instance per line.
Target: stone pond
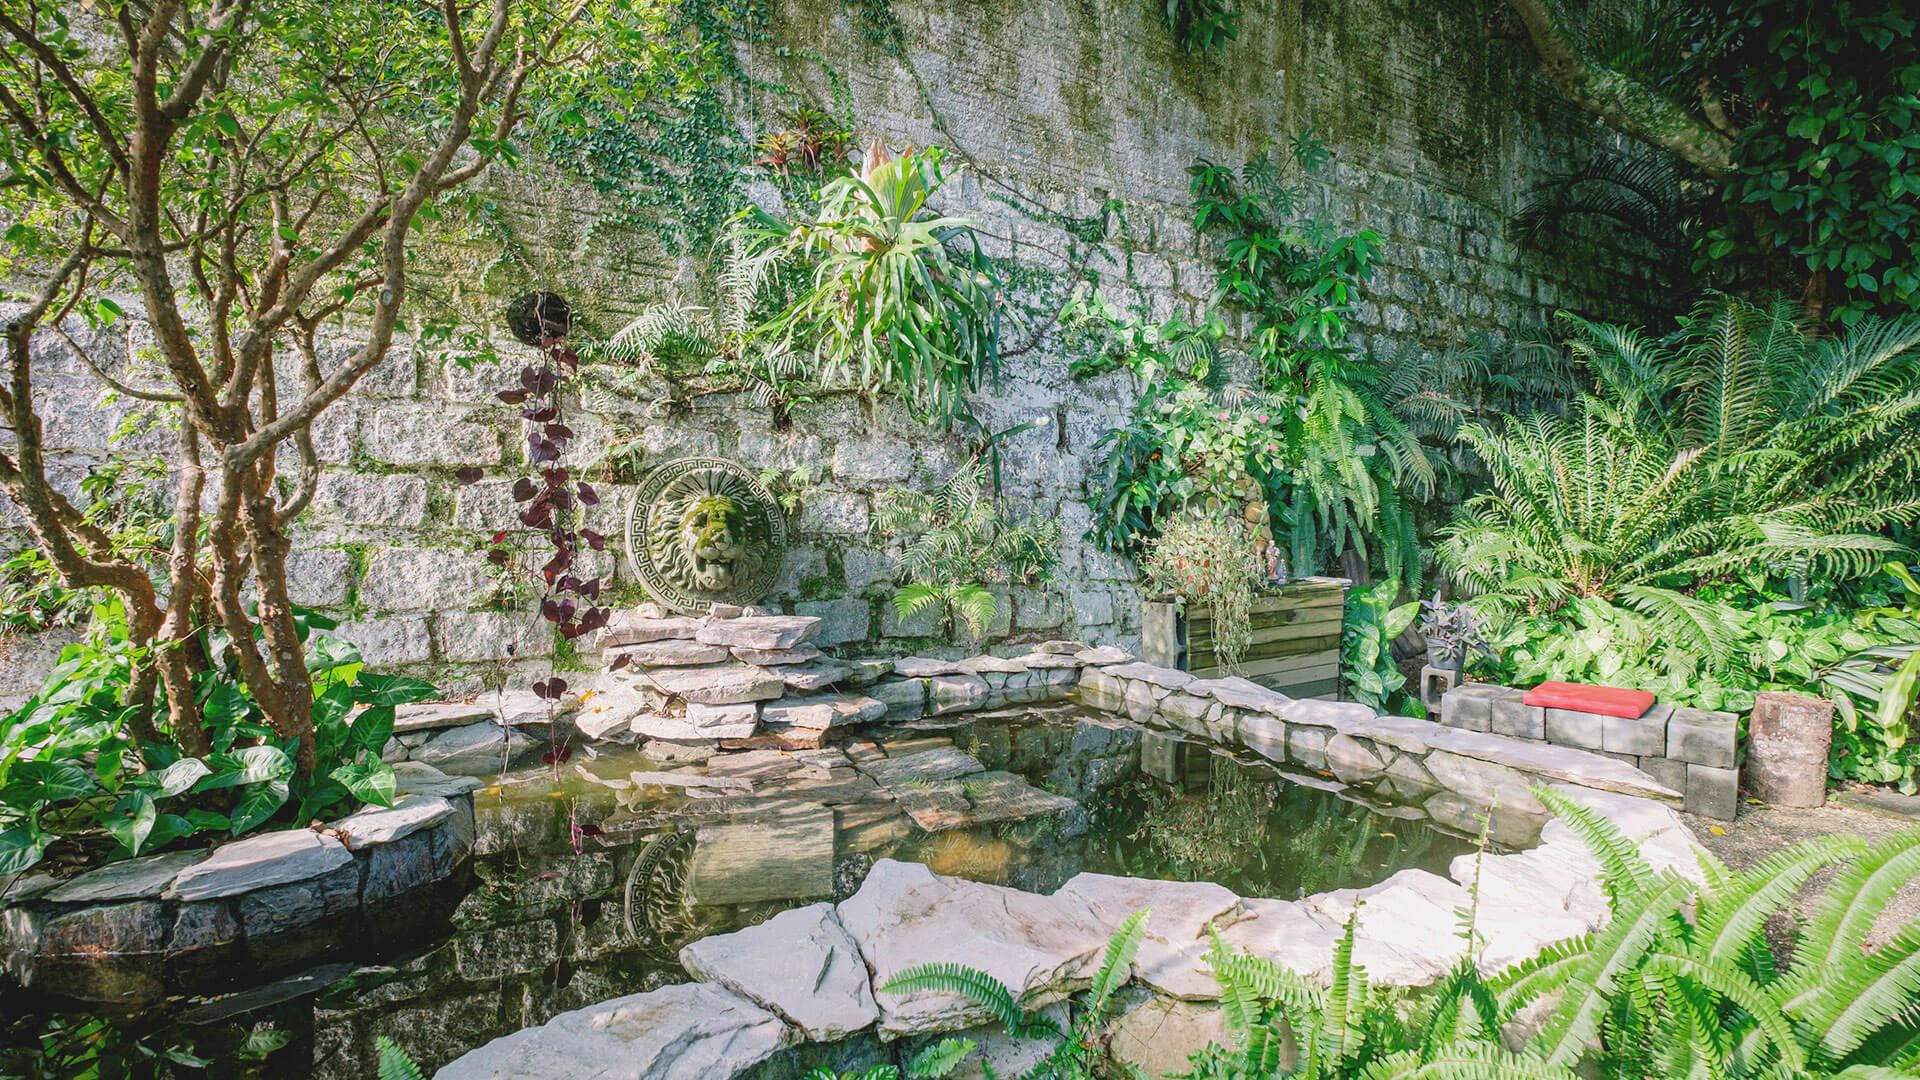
x=706, y=863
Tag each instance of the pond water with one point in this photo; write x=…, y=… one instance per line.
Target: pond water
x=589, y=875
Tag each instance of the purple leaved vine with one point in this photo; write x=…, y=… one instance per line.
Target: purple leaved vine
x=551, y=502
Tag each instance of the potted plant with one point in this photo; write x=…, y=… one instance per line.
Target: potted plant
x=1450, y=630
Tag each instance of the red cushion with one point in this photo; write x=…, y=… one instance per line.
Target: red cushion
x=1605, y=700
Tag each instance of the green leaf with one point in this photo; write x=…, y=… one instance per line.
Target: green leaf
x=228, y=125
x=370, y=780
x=21, y=847
x=175, y=778
x=34, y=784
x=392, y=690
x=370, y=731
x=258, y=803
x=131, y=820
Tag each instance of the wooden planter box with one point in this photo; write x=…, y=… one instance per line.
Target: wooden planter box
x=1295, y=645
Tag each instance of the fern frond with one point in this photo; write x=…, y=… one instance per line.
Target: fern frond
x=1117, y=964
x=394, y=1063
x=973, y=984
x=938, y=1060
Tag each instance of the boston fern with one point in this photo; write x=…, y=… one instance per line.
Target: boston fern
x=1739, y=446
x=1075, y=1054
x=955, y=543
x=899, y=299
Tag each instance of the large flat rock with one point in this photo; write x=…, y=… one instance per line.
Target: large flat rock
x=476, y=750
x=801, y=964
x=134, y=879
x=921, y=767
x=1172, y=951
x=383, y=825
x=825, y=711
x=433, y=715
x=639, y=630
x=692, y=1031
x=759, y=632
x=420, y=778
x=1041, y=947
x=1288, y=932
x=1550, y=762
x=1409, y=926
x=726, y=684
x=259, y=861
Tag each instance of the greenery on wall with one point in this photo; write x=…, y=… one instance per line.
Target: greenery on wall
x=956, y=547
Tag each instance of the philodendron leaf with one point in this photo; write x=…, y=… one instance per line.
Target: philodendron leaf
x=131, y=820
x=392, y=690
x=370, y=781
x=175, y=778
x=39, y=783
x=247, y=765
x=258, y=803
x=21, y=847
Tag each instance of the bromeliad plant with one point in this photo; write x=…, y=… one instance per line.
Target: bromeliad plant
x=955, y=544
x=899, y=300
x=72, y=771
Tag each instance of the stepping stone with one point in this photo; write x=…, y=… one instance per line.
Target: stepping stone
x=729, y=685
x=640, y=631
x=383, y=824
x=782, y=856
x=778, y=657
x=821, y=713
x=801, y=964
x=256, y=862
x=676, y=654
x=134, y=879
x=689, y=1031
x=764, y=632
x=1042, y=948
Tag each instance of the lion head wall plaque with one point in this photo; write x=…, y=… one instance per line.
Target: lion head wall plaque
x=704, y=531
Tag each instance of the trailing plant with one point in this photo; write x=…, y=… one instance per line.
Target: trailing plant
x=554, y=500
x=73, y=773
x=899, y=301
x=1372, y=621
x=1075, y=1054
x=955, y=543
x=1214, y=563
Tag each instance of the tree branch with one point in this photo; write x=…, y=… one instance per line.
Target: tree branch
x=1618, y=101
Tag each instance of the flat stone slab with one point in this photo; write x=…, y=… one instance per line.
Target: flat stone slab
x=1173, y=948
x=1288, y=932
x=383, y=825
x=923, y=667
x=1408, y=926
x=994, y=665
x=477, y=749
x=420, y=778
x=639, y=631
x=134, y=879
x=691, y=1031
x=680, y=729
x=801, y=964
x=730, y=784
x=1564, y=763
x=1105, y=654
x=1040, y=947
x=1165, y=678
x=940, y=763
x=826, y=711
x=979, y=799
x=676, y=653
x=1037, y=661
x=761, y=632
x=1061, y=647
x=433, y=715
x=778, y=657
x=1234, y=692
x=817, y=675
x=256, y=862
x=730, y=684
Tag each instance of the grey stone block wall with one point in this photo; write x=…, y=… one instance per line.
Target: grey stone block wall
x=1691, y=751
x=1054, y=108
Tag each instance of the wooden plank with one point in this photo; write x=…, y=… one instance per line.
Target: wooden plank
x=1327, y=622
x=1320, y=688
x=1292, y=669
x=1269, y=650
x=1284, y=665
x=1275, y=606
x=1160, y=634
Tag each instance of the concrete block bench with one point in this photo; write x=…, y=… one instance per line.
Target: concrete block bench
x=1692, y=751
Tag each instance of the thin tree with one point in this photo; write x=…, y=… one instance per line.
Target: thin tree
x=248, y=170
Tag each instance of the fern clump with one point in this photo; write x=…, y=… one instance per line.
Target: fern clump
x=954, y=544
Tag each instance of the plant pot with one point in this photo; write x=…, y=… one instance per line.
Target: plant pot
x=1446, y=659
